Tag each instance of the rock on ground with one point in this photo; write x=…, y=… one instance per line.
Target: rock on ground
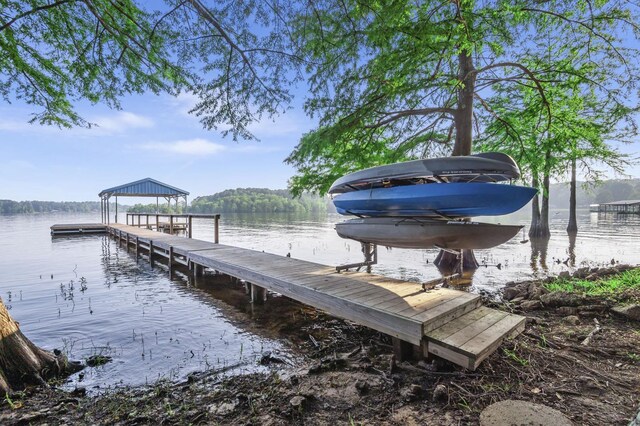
x=629, y=311
x=513, y=412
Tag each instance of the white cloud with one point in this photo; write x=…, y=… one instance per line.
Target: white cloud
x=283, y=125
x=187, y=147
x=246, y=147
x=15, y=125
x=121, y=121
x=184, y=102
x=118, y=122
x=290, y=123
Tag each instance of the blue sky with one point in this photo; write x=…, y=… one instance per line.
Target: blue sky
x=152, y=136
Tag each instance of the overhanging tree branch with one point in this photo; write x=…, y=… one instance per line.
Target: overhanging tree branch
x=35, y=10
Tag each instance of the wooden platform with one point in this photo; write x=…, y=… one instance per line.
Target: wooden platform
x=444, y=322
x=78, y=228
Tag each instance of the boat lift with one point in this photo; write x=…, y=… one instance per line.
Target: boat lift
x=370, y=252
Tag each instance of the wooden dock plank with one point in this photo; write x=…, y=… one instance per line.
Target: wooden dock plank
x=452, y=327
x=78, y=228
x=469, y=339
x=461, y=337
x=445, y=322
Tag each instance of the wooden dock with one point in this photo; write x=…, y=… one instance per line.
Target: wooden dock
x=447, y=323
x=78, y=228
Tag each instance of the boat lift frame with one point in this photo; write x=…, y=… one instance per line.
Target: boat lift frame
x=370, y=252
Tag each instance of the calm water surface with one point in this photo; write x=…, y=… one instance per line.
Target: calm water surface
x=87, y=296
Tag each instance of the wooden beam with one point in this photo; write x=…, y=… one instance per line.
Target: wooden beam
x=403, y=351
x=257, y=294
x=170, y=259
x=216, y=226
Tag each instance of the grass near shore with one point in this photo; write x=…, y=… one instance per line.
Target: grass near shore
x=608, y=286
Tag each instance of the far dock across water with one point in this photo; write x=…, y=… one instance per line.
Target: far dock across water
x=444, y=322
x=78, y=228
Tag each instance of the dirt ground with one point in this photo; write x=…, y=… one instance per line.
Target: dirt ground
x=346, y=375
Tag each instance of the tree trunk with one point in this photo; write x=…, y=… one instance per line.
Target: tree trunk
x=449, y=263
x=21, y=362
x=544, y=209
x=464, y=114
x=540, y=218
x=572, y=227
x=535, y=210
x=464, y=132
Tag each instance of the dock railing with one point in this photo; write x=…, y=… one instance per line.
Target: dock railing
x=173, y=223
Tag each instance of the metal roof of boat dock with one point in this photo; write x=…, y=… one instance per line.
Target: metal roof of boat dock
x=144, y=188
x=621, y=203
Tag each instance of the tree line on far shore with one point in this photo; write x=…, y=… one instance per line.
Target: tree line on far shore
x=17, y=207
x=246, y=200
x=261, y=200
x=591, y=193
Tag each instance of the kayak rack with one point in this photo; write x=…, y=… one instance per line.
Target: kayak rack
x=370, y=252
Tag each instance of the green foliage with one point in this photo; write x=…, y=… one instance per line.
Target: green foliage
x=580, y=126
x=616, y=284
x=16, y=207
x=325, y=155
x=258, y=200
x=54, y=53
x=233, y=55
x=153, y=208
x=403, y=79
x=513, y=355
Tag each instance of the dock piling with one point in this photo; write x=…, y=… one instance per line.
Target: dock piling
x=444, y=322
x=257, y=294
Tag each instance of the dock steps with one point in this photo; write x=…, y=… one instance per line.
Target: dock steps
x=445, y=322
x=470, y=338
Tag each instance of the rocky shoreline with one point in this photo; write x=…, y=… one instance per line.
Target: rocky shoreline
x=348, y=376
x=528, y=296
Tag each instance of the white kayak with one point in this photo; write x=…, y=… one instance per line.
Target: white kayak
x=418, y=233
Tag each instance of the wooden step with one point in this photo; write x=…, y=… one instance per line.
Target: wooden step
x=445, y=322
x=470, y=338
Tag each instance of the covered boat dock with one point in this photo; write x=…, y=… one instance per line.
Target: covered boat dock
x=141, y=188
x=620, y=207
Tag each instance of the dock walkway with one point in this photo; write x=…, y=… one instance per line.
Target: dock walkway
x=448, y=323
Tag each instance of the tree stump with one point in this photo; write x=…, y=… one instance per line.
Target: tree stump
x=21, y=362
x=450, y=262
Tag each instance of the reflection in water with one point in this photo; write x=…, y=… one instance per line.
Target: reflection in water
x=573, y=236
x=539, y=249
x=85, y=295
x=167, y=328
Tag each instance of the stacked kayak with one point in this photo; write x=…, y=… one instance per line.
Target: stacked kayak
x=451, y=200
x=419, y=233
x=424, y=203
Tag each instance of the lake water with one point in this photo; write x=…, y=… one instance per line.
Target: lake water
x=88, y=296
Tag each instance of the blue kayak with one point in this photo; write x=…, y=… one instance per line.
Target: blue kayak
x=449, y=200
